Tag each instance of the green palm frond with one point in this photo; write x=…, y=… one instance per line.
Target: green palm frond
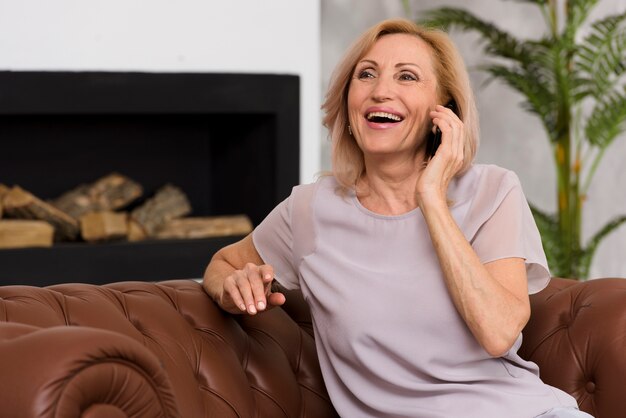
x=579, y=87
x=499, y=43
x=551, y=240
x=539, y=97
x=592, y=246
x=607, y=119
x=577, y=12
x=557, y=59
x=542, y=58
x=601, y=57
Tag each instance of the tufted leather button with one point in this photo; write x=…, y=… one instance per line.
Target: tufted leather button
x=590, y=387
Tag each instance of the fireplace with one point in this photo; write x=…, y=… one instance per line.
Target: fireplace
x=230, y=141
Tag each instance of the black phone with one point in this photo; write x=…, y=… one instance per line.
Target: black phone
x=434, y=140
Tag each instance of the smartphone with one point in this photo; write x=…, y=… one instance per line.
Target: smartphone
x=434, y=140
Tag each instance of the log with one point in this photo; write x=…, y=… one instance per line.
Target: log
x=18, y=203
x=168, y=203
x=108, y=193
x=75, y=202
x=206, y=227
x=3, y=191
x=103, y=226
x=135, y=231
x=16, y=233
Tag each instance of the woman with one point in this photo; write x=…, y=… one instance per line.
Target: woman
x=416, y=264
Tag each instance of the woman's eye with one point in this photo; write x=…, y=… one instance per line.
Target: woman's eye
x=365, y=74
x=407, y=77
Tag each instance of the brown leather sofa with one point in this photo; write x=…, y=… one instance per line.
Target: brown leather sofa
x=135, y=349
x=577, y=336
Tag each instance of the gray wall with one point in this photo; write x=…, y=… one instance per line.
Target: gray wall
x=510, y=137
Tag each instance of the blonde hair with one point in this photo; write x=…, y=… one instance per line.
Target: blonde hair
x=453, y=83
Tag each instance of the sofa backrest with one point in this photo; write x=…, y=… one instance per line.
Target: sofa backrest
x=577, y=336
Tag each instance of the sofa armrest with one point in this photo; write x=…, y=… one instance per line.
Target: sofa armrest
x=71, y=371
x=577, y=336
x=199, y=360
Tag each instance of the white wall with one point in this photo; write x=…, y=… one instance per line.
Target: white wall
x=269, y=36
x=510, y=137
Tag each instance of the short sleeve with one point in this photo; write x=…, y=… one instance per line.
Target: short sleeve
x=511, y=231
x=273, y=239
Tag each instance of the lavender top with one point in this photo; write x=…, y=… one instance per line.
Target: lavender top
x=389, y=339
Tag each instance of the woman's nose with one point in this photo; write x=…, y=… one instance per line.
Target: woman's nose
x=383, y=89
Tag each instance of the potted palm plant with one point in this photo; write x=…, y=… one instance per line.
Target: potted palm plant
x=573, y=82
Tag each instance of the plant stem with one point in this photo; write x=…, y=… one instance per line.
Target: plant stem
x=562, y=156
x=568, y=168
x=553, y=18
x=592, y=170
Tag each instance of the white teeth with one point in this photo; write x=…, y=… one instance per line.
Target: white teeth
x=391, y=116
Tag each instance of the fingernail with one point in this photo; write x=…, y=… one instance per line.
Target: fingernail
x=261, y=305
x=242, y=307
x=252, y=309
x=268, y=276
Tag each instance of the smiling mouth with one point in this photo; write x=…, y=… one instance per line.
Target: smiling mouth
x=383, y=117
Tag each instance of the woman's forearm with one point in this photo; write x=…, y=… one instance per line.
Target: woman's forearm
x=214, y=275
x=494, y=308
x=239, y=281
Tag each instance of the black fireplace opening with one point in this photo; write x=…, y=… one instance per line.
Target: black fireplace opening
x=218, y=161
x=229, y=141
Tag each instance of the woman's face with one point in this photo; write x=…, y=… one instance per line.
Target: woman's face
x=392, y=90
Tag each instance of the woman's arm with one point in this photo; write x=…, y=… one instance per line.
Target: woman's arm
x=239, y=281
x=492, y=298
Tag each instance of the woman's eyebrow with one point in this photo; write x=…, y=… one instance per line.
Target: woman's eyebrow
x=398, y=65
x=403, y=64
x=366, y=61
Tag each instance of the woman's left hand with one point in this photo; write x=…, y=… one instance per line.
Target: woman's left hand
x=447, y=161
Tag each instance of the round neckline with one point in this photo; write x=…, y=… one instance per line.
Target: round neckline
x=373, y=214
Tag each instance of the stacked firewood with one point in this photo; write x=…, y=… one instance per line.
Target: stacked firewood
x=96, y=212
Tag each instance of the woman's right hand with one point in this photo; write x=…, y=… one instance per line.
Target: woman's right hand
x=249, y=290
